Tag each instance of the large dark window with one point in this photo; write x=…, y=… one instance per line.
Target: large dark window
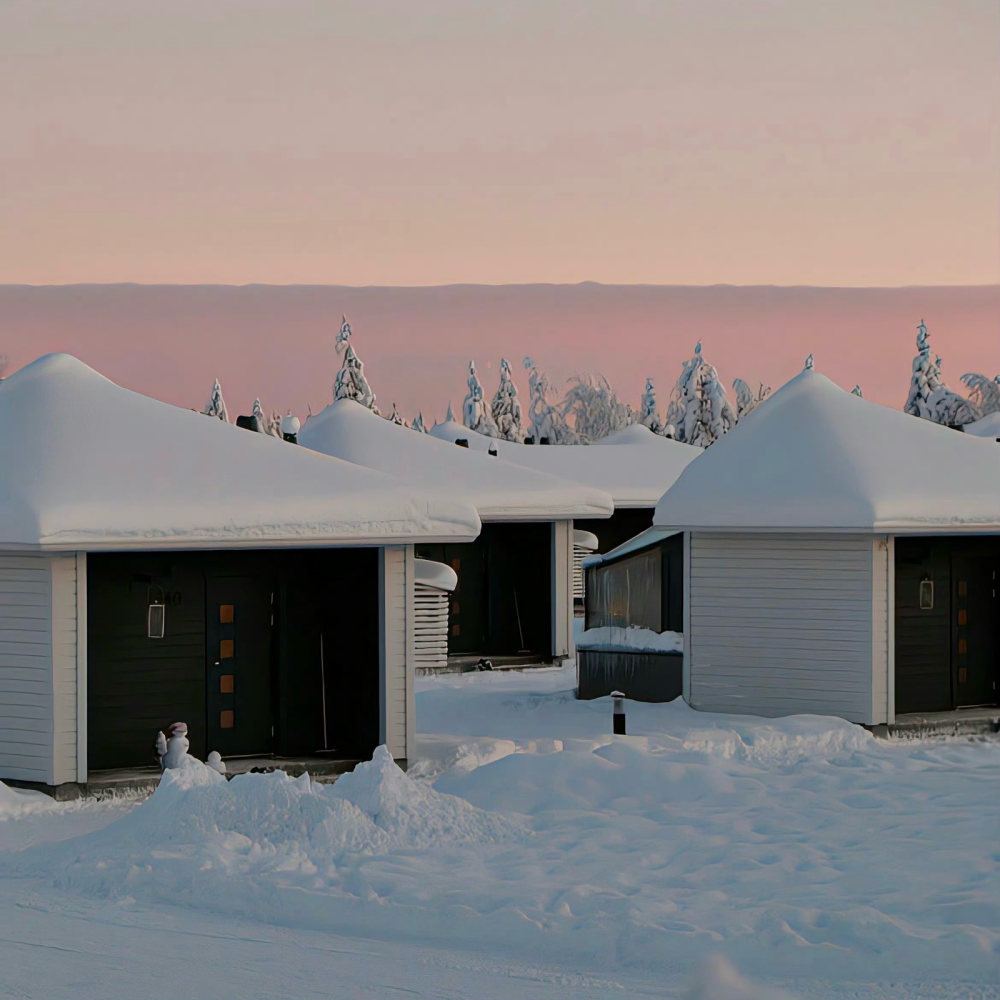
x=643, y=589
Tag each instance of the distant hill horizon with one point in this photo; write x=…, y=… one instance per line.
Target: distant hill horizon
x=277, y=341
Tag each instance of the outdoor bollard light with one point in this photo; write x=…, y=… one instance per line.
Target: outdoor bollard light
x=619, y=713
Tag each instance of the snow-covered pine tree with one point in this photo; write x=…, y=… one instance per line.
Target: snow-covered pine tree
x=475, y=413
x=418, y=424
x=258, y=414
x=746, y=399
x=929, y=397
x=984, y=394
x=506, y=410
x=715, y=414
x=216, y=406
x=395, y=418
x=351, y=382
x=683, y=397
x=648, y=416
x=595, y=408
x=699, y=411
x=856, y=391
x=545, y=420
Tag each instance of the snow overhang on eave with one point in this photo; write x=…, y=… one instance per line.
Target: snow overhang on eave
x=72, y=543
x=882, y=528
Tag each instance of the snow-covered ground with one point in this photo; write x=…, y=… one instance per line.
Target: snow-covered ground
x=528, y=854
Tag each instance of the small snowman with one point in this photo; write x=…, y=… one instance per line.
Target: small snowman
x=172, y=745
x=215, y=762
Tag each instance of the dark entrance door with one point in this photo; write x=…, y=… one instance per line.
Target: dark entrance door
x=976, y=621
x=240, y=620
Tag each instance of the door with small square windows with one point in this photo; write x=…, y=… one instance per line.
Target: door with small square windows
x=975, y=626
x=239, y=628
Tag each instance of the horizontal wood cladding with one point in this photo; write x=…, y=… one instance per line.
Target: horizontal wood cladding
x=26, y=686
x=781, y=624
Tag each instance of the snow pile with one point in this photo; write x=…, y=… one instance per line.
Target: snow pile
x=16, y=802
x=200, y=836
x=632, y=638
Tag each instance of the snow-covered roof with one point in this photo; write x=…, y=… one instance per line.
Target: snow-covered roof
x=817, y=458
x=499, y=490
x=644, y=540
x=986, y=427
x=635, y=434
x=88, y=465
x=636, y=475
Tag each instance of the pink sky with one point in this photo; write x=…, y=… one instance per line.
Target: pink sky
x=277, y=342
x=392, y=142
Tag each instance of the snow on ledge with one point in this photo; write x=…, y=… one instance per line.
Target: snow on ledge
x=612, y=638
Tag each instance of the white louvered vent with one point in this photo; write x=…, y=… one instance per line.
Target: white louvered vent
x=584, y=544
x=431, y=626
x=432, y=587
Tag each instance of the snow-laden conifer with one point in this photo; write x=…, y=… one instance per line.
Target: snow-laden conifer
x=216, y=406
x=856, y=391
x=715, y=414
x=595, y=408
x=648, y=416
x=929, y=397
x=984, y=393
x=506, y=409
x=351, y=382
x=274, y=424
x=418, y=424
x=746, y=399
x=475, y=411
x=544, y=419
x=699, y=411
x=395, y=418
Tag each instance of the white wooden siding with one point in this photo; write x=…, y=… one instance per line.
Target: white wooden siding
x=880, y=629
x=398, y=731
x=64, y=686
x=26, y=691
x=562, y=588
x=781, y=624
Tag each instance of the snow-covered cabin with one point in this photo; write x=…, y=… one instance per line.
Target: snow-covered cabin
x=514, y=593
x=159, y=566
x=839, y=558
x=634, y=465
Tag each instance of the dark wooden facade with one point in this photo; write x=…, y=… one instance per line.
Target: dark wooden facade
x=624, y=523
x=240, y=659
x=502, y=605
x=948, y=650
x=644, y=588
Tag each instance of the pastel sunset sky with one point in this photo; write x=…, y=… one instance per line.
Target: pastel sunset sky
x=392, y=143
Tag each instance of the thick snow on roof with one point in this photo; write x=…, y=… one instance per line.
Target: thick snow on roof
x=635, y=434
x=86, y=464
x=987, y=427
x=498, y=489
x=814, y=457
x=636, y=475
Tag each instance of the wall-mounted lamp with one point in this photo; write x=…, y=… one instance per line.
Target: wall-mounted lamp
x=926, y=595
x=156, y=618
